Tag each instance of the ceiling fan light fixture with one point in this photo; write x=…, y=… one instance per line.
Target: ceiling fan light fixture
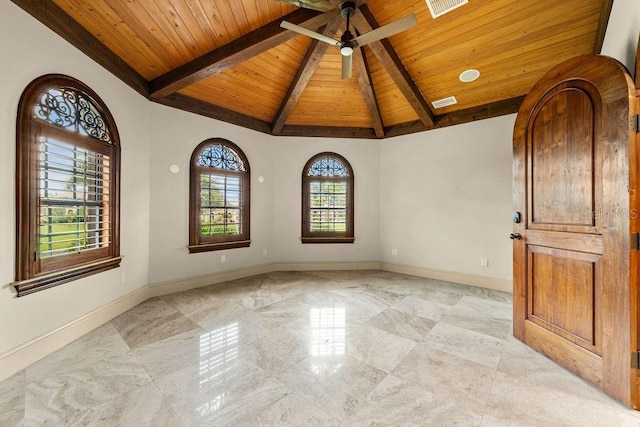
x=346, y=51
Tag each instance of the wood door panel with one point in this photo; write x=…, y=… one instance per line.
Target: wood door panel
x=591, y=243
x=573, y=357
x=565, y=294
x=562, y=172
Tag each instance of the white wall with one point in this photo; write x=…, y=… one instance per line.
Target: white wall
x=621, y=38
x=290, y=156
x=275, y=203
x=29, y=50
x=175, y=135
x=446, y=198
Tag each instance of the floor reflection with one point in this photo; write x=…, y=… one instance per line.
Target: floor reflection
x=218, y=358
x=328, y=327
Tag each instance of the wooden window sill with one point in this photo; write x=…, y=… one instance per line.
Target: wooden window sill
x=207, y=247
x=327, y=239
x=49, y=280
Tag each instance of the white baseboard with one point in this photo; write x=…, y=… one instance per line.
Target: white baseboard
x=20, y=357
x=319, y=266
x=173, y=286
x=451, y=276
x=30, y=352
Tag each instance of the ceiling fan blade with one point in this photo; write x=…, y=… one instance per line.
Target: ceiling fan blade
x=321, y=5
x=388, y=30
x=301, y=30
x=347, y=62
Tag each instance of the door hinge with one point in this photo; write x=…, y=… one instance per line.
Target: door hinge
x=635, y=360
x=635, y=241
x=635, y=123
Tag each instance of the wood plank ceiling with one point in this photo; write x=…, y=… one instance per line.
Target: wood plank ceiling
x=230, y=59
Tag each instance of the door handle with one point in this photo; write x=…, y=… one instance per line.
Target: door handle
x=515, y=236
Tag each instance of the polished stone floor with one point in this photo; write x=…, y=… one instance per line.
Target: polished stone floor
x=308, y=349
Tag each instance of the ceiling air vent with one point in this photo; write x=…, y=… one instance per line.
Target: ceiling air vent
x=440, y=7
x=444, y=102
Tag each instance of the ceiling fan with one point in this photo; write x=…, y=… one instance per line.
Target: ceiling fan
x=348, y=42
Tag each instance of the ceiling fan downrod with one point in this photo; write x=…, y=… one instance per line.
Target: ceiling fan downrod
x=347, y=10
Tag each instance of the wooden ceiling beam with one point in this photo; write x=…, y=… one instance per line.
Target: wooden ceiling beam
x=364, y=80
x=239, y=50
x=605, y=13
x=56, y=19
x=327, y=132
x=364, y=21
x=196, y=106
x=308, y=66
x=481, y=112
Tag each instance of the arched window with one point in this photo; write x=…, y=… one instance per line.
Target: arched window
x=219, y=197
x=327, y=200
x=68, y=179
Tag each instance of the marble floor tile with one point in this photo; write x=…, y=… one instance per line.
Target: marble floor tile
x=497, y=328
x=293, y=410
x=356, y=309
x=419, y=307
x=218, y=315
x=143, y=406
x=172, y=354
x=322, y=348
x=222, y=388
x=437, y=295
x=376, y=348
x=480, y=348
x=397, y=402
x=484, y=308
x=396, y=322
x=336, y=382
x=191, y=301
x=12, y=398
x=99, y=344
x=63, y=398
x=448, y=377
x=151, y=321
x=518, y=401
x=372, y=295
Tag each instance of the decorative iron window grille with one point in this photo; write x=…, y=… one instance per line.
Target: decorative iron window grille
x=73, y=111
x=220, y=156
x=219, y=206
x=328, y=166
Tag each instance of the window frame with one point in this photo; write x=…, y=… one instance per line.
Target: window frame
x=308, y=236
x=198, y=243
x=32, y=272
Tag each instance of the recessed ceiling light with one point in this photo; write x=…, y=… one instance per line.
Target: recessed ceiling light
x=468, y=76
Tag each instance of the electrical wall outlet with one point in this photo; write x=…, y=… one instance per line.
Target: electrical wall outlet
x=264, y=252
x=223, y=259
x=484, y=262
x=394, y=252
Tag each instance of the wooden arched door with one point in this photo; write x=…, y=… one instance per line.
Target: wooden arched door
x=575, y=179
